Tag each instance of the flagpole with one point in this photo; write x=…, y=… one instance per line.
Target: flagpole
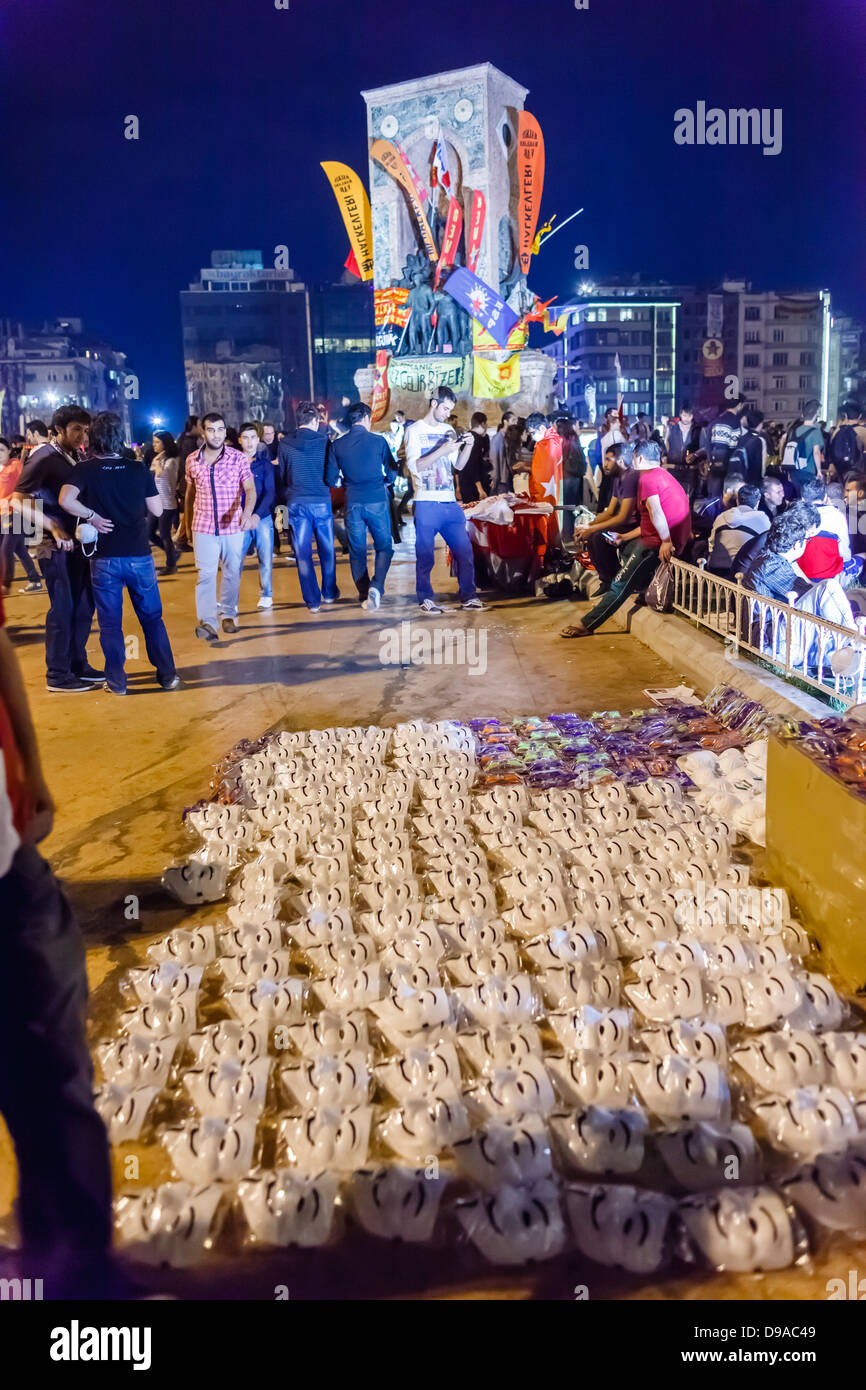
x=560, y=227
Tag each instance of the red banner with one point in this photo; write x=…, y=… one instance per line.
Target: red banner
x=476, y=230
x=423, y=193
x=389, y=306
x=450, y=239
x=530, y=173
x=381, y=389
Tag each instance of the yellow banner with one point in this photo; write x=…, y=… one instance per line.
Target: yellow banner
x=354, y=207
x=483, y=342
x=392, y=162
x=493, y=380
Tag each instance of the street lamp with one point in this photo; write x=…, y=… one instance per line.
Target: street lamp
x=157, y=421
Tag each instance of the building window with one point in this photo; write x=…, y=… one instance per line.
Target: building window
x=805, y=383
x=750, y=384
x=750, y=359
x=807, y=359
x=602, y=315
x=753, y=312
x=625, y=315
x=778, y=335
x=778, y=405
x=751, y=335
x=780, y=359
x=779, y=383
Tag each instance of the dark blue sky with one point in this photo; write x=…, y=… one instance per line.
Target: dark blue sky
x=238, y=103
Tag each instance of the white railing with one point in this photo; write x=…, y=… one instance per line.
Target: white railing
x=801, y=646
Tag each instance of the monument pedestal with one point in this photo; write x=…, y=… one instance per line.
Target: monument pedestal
x=411, y=380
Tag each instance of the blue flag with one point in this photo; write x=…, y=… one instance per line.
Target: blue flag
x=482, y=303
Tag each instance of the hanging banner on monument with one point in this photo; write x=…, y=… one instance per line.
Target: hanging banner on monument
x=381, y=391
x=354, y=208
x=476, y=230
x=530, y=173
x=493, y=380
x=391, y=314
x=426, y=373
x=482, y=303
x=392, y=162
x=482, y=341
x=450, y=239
x=423, y=193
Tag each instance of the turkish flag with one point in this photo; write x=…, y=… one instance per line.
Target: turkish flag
x=352, y=263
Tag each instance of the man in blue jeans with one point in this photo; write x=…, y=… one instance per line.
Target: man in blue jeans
x=262, y=469
x=115, y=497
x=366, y=464
x=432, y=448
x=308, y=471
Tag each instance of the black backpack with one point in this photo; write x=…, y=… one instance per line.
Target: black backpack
x=845, y=450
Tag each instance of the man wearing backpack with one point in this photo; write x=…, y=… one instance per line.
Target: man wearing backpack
x=724, y=434
x=747, y=455
x=804, y=450
x=845, y=451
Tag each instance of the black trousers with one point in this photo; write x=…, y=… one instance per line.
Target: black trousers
x=70, y=615
x=161, y=528
x=46, y=1084
x=606, y=557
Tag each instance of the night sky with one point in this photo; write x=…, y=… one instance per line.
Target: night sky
x=238, y=103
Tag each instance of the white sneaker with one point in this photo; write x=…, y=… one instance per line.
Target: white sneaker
x=373, y=599
x=316, y=609
x=473, y=603
x=265, y=602
x=429, y=606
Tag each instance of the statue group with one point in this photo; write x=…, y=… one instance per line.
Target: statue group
x=437, y=322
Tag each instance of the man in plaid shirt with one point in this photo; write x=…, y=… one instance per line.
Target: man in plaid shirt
x=220, y=497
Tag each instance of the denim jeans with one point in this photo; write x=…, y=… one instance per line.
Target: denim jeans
x=639, y=564
x=308, y=519
x=263, y=540
x=70, y=614
x=374, y=517
x=46, y=1081
x=137, y=575
x=14, y=546
x=213, y=553
x=447, y=520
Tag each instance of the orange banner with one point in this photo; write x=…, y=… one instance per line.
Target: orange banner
x=453, y=228
x=530, y=172
x=389, y=306
x=381, y=389
x=392, y=162
x=354, y=208
x=476, y=230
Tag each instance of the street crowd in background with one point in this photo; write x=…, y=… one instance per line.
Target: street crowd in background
x=775, y=506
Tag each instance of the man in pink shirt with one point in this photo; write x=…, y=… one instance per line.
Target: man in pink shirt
x=219, y=502
x=665, y=527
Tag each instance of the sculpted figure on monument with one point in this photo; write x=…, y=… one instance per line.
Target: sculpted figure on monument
x=421, y=302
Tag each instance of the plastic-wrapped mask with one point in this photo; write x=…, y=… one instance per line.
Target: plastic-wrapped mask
x=423, y=946
x=408, y=975
x=611, y=818
x=570, y=987
x=440, y=824
x=475, y=934
x=606, y=794
x=590, y=1079
x=352, y=989
x=846, y=1058
x=642, y=882
x=407, y=1013
x=328, y=1139
x=419, y=1071
x=664, y=997
x=385, y=866
x=267, y=818
x=211, y=816
x=704, y=1155
x=166, y=981
x=515, y=1224
x=460, y=860
x=289, y=1208
x=229, y=1042
x=396, y=1202
x=325, y=899
x=622, y=1227
x=808, y=1121
x=458, y=880
x=496, y=1049
x=584, y=844
x=386, y=922
x=274, y=1001
x=255, y=964
x=392, y=895
x=367, y=851
x=498, y=1001
x=338, y=1081
x=687, y=1037
x=161, y=1018
x=173, y=1224
x=598, y=879
x=124, y=1109
x=452, y=804
x=321, y=927
x=531, y=879
x=195, y=947
x=212, y=1149
x=725, y=1002
x=601, y=1141
x=463, y=904
x=343, y=953
x=770, y=996
x=287, y=842
x=780, y=1062
x=255, y=909
x=474, y=966
x=514, y=1091
x=671, y=957
x=254, y=880
x=226, y=1087
x=734, y=956
x=196, y=882
x=424, y=1126
x=538, y=913
x=445, y=843
x=675, y=1088
x=821, y=1009
x=567, y=945
x=605, y=1031
x=331, y=1034
x=832, y=1190
x=512, y=798
x=795, y=939
x=224, y=845
x=506, y=1152
x=657, y=791
x=553, y=818
x=742, y=1229
x=639, y=929
x=496, y=821
x=138, y=1060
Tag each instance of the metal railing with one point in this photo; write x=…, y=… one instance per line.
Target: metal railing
x=801, y=646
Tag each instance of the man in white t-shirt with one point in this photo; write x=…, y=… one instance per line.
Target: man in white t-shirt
x=432, y=450
x=613, y=433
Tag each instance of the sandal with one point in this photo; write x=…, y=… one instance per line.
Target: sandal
x=575, y=632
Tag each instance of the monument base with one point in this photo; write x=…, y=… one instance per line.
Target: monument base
x=411, y=380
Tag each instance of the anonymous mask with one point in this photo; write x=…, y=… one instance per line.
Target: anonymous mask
x=227, y=1087
x=601, y=1141
x=396, y=1203
x=161, y=1018
x=196, y=882
x=821, y=1010
x=173, y=1224
x=255, y=964
x=512, y=798
x=331, y=1034
x=740, y=1229
x=537, y=914
x=771, y=996
x=809, y=1121
x=343, y=953
x=675, y=1088
x=229, y=1041
x=589, y=1079
x=138, y=1060
x=195, y=947
x=433, y=1071
x=386, y=922
x=339, y=1082
x=474, y=966
x=515, y=1224
x=424, y=946
x=352, y=989
x=328, y=1139
x=289, y=1208
x=605, y=1031
x=273, y=1001
x=514, y=1091
x=498, y=1001
x=407, y=1013
x=424, y=1126
x=212, y=1149
x=781, y=1062
x=212, y=816
x=475, y=934
x=832, y=1191
x=166, y=981
x=687, y=1037
x=664, y=997
x=846, y=1058
x=463, y=903
x=699, y=1155
x=622, y=1227
x=320, y=928
x=570, y=987
x=124, y=1109
x=506, y=1152
x=567, y=945
x=497, y=1049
